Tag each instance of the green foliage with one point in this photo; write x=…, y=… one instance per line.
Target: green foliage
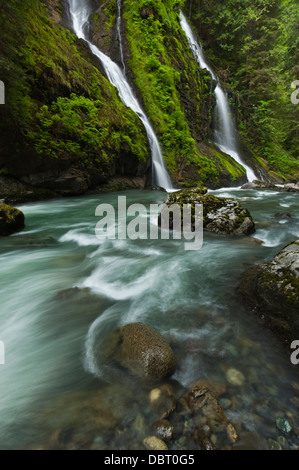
x=58, y=103
x=75, y=127
x=253, y=45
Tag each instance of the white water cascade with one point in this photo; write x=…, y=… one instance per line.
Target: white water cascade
x=118, y=26
x=80, y=12
x=225, y=134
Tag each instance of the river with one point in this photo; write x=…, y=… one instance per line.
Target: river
x=63, y=291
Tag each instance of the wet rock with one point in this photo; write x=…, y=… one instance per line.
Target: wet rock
x=12, y=220
x=75, y=438
x=87, y=415
x=163, y=429
x=158, y=188
x=235, y=377
x=154, y=443
x=205, y=413
x=283, y=425
x=216, y=388
x=283, y=216
x=203, y=441
x=231, y=432
x=225, y=403
x=222, y=216
x=292, y=187
x=250, y=441
x=274, y=445
x=272, y=291
x=145, y=352
x=163, y=401
x=283, y=442
x=257, y=184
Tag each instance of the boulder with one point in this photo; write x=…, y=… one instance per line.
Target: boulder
x=272, y=291
x=223, y=216
x=292, y=187
x=12, y=220
x=257, y=184
x=145, y=352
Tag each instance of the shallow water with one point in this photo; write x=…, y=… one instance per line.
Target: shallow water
x=54, y=334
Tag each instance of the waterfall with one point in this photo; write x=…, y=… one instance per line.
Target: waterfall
x=225, y=133
x=80, y=12
x=118, y=25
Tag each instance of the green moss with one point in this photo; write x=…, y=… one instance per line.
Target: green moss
x=58, y=103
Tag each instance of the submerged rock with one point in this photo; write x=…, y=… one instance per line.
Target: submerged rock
x=145, y=352
x=283, y=425
x=235, y=377
x=272, y=290
x=163, y=429
x=205, y=413
x=12, y=220
x=223, y=216
x=154, y=443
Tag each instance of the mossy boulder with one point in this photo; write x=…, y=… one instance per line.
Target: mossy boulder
x=11, y=220
x=223, y=216
x=145, y=352
x=272, y=291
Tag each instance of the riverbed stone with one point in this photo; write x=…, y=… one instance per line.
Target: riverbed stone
x=272, y=291
x=154, y=443
x=163, y=429
x=223, y=216
x=144, y=351
x=12, y=220
x=235, y=377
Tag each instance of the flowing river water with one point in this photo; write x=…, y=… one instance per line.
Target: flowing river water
x=63, y=291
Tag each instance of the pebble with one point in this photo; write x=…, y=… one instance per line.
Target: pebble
x=235, y=377
x=154, y=443
x=225, y=403
x=283, y=425
x=274, y=445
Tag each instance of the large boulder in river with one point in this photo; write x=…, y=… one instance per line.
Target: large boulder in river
x=145, y=352
x=257, y=184
x=11, y=220
x=223, y=216
x=272, y=290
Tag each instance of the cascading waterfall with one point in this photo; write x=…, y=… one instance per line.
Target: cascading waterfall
x=118, y=25
x=225, y=133
x=80, y=12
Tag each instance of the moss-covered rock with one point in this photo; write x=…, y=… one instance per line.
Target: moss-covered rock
x=272, y=291
x=223, y=216
x=11, y=220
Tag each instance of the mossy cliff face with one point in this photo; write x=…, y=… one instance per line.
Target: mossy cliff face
x=63, y=126
x=272, y=290
x=176, y=95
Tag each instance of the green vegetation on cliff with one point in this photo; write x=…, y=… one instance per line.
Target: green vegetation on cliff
x=176, y=93
x=59, y=106
x=253, y=46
